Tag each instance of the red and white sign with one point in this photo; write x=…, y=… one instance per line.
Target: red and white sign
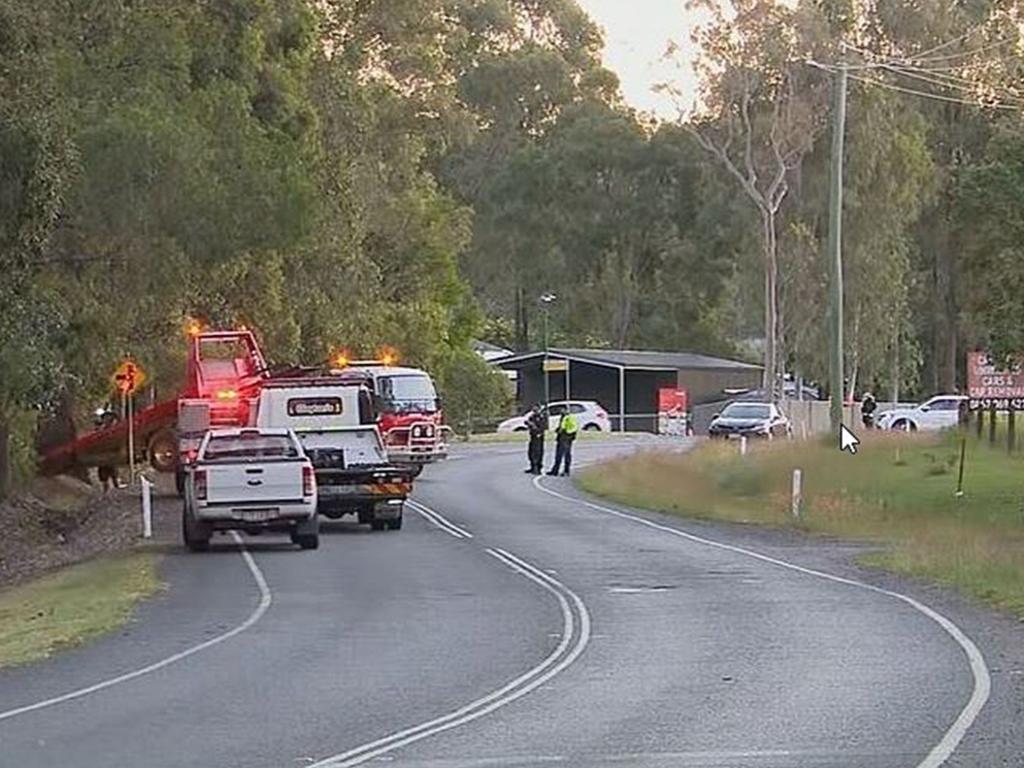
x=672, y=404
x=989, y=386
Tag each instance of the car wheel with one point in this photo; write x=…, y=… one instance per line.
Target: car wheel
x=902, y=425
x=416, y=471
x=179, y=482
x=395, y=525
x=378, y=525
x=195, y=535
x=162, y=451
x=592, y=428
x=519, y=429
x=307, y=540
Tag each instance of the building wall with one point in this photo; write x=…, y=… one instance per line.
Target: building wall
x=706, y=386
x=588, y=381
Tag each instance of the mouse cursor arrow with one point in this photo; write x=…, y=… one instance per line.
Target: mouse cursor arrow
x=847, y=440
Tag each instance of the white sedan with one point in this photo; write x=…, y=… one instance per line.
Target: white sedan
x=941, y=412
x=589, y=414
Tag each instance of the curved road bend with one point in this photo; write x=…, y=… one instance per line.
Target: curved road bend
x=502, y=627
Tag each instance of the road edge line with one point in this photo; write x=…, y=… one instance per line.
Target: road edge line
x=953, y=735
x=266, y=598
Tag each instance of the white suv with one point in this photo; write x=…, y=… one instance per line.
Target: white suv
x=589, y=414
x=941, y=412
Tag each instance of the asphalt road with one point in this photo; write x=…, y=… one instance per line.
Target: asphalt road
x=507, y=626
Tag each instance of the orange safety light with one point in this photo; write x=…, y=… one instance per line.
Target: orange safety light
x=193, y=328
x=342, y=359
x=388, y=355
x=227, y=394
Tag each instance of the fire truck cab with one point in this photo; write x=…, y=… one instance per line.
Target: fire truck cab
x=408, y=411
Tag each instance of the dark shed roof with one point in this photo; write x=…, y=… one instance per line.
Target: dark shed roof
x=637, y=360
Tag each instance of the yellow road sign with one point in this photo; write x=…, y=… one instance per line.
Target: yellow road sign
x=553, y=365
x=128, y=377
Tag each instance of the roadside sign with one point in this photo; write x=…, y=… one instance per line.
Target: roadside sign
x=990, y=387
x=553, y=365
x=128, y=377
x=672, y=405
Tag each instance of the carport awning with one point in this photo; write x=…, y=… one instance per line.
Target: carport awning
x=632, y=360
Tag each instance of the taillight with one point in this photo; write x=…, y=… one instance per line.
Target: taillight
x=199, y=482
x=308, y=481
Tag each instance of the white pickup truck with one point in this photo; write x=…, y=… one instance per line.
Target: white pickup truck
x=253, y=480
x=335, y=423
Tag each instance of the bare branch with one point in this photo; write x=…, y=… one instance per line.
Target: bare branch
x=709, y=146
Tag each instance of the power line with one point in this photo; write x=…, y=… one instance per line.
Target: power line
x=979, y=103
x=963, y=86
x=953, y=41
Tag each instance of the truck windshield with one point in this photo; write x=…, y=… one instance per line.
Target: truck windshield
x=409, y=392
x=250, y=447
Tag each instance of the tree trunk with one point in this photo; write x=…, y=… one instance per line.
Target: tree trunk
x=5, y=458
x=855, y=362
x=896, y=364
x=522, y=328
x=771, y=280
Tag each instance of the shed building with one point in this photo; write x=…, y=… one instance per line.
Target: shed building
x=625, y=382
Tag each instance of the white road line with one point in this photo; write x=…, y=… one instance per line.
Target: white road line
x=265, y=599
x=558, y=660
x=439, y=520
x=982, y=682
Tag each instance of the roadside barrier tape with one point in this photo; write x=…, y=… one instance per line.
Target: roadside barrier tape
x=265, y=600
x=982, y=681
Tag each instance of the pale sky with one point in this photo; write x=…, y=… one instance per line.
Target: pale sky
x=637, y=33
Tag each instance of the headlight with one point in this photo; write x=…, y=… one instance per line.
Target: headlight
x=417, y=431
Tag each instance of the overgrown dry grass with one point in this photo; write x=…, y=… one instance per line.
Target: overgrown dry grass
x=898, y=490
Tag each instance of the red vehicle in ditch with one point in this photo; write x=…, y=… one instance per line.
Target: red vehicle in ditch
x=409, y=413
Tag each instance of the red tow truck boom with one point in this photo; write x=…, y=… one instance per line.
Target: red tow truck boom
x=225, y=368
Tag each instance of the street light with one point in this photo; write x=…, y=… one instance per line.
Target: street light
x=546, y=300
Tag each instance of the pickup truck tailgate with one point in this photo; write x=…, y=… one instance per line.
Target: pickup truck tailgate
x=263, y=482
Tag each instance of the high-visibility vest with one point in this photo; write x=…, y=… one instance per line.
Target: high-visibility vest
x=569, y=424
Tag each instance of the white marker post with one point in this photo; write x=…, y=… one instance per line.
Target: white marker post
x=131, y=439
x=798, y=478
x=147, y=507
x=743, y=445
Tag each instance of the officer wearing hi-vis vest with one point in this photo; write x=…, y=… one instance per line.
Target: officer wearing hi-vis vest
x=568, y=426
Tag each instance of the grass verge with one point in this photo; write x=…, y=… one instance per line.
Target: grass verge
x=897, y=491
x=73, y=606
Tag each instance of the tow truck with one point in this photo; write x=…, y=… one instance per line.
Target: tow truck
x=409, y=412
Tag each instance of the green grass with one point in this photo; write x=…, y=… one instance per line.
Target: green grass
x=521, y=437
x=898, y=490
x=72, y=606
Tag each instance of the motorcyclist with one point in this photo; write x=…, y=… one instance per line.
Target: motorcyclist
x=868, y=406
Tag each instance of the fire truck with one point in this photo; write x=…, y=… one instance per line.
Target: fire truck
x=409, y=413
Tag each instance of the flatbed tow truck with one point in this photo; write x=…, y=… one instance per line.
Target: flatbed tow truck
x=226, y=374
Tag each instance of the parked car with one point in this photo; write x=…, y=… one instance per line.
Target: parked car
x=253, y=480
x=750, y=419
x=591, y=416
x=941, y=412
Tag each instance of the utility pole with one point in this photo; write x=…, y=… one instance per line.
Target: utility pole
x=835, y=253
x=546, y=300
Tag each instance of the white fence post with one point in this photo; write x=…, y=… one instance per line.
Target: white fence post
x=797, y=492
x=147, y=508
x=743, y=445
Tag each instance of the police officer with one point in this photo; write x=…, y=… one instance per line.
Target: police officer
x=537, y=424
x=568, y=426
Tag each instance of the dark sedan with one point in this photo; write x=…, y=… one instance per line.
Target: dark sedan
x=750, y=420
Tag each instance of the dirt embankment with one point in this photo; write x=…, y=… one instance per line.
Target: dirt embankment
x=59, y=521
